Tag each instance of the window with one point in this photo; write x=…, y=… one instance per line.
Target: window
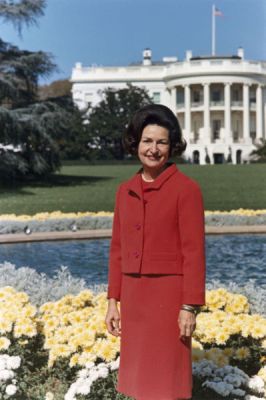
x=196, y=96
x=180, y=97
x=156, y=97
x=252, y=96
x=236, y=95
x=216, y=126
x=216, y=95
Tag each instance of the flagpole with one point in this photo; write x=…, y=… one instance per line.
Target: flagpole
x=213, y=30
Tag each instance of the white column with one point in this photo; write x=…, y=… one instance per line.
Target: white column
x=207, y=124
x=246, y=117
x=173, y=100
x=259, y=115
x=227, y=112
x=187, y=113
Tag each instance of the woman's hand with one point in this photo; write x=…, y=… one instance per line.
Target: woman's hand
x=187, y=323
x=112, y=319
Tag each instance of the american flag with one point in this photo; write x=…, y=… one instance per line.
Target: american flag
x=218, y=13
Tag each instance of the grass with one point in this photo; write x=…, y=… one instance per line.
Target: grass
x=92, y=188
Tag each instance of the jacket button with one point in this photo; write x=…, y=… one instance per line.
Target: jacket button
x=138, y=226
x=136, y=254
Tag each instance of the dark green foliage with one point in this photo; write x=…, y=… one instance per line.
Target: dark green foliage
x=260, y=152
x=33, y=132
x=21, y=12
x=19, y=73
x=108, y=120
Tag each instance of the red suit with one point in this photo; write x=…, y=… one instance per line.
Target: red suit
x=157, y=263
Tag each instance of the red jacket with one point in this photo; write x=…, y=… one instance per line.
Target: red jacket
x=173, y=230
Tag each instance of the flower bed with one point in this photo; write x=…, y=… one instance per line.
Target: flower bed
x=59, y=348
x=58, y=221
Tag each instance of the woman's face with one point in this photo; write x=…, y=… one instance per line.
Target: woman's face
x=154, y=146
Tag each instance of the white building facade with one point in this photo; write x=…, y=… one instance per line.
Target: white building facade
x=220, y=101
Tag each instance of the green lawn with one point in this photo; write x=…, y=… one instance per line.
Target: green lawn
x=92, y=188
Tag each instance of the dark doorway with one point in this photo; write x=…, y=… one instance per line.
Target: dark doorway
x=218, y=158
x=238, y=156
x=196, y=158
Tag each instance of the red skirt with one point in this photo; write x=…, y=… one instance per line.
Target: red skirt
x=154, y=363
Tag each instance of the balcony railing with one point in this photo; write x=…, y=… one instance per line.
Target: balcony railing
x=237, y=103
x=196, y=103
x=217, y=103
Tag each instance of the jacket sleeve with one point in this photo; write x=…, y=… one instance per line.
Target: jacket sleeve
x=114, y=271
x=192, y=237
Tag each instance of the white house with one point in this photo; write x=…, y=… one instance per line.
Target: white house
x=220, y=101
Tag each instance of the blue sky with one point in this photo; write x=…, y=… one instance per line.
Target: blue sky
x=114, y=32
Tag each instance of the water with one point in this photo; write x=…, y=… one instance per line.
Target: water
x=229, y=257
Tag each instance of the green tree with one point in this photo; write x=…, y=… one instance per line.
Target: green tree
x=259, y=155
x=29, y=127
x=108, y=120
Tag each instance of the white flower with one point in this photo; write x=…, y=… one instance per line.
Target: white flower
x=94, y=375
x=49, y=396
x=2, y=364
x=89, y=365
x=10, y=390
x=103, y=372
x=114, y=364
x=6, y=374
x=13, y=362
x=256, y=383
x=84, y=389
x=83, y=373
x=69, y=396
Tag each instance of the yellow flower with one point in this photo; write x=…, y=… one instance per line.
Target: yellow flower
x=23, y=342
x=28, y=311
x=74, y=360
x=197, y=354
x=5, y=326
x=258, y=332
x=221, y=338
x=4, y=343
x=84, y=358
x=107, y=352
x=60, y=350
x=47, y=307
x=229, y=351
x=242, y=353
x=21, y=297
x=262, y=373
x=195, y=344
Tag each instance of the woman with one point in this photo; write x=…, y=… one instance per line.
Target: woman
x=157, y=263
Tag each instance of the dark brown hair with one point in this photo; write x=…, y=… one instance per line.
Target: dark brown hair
x=150, y=115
